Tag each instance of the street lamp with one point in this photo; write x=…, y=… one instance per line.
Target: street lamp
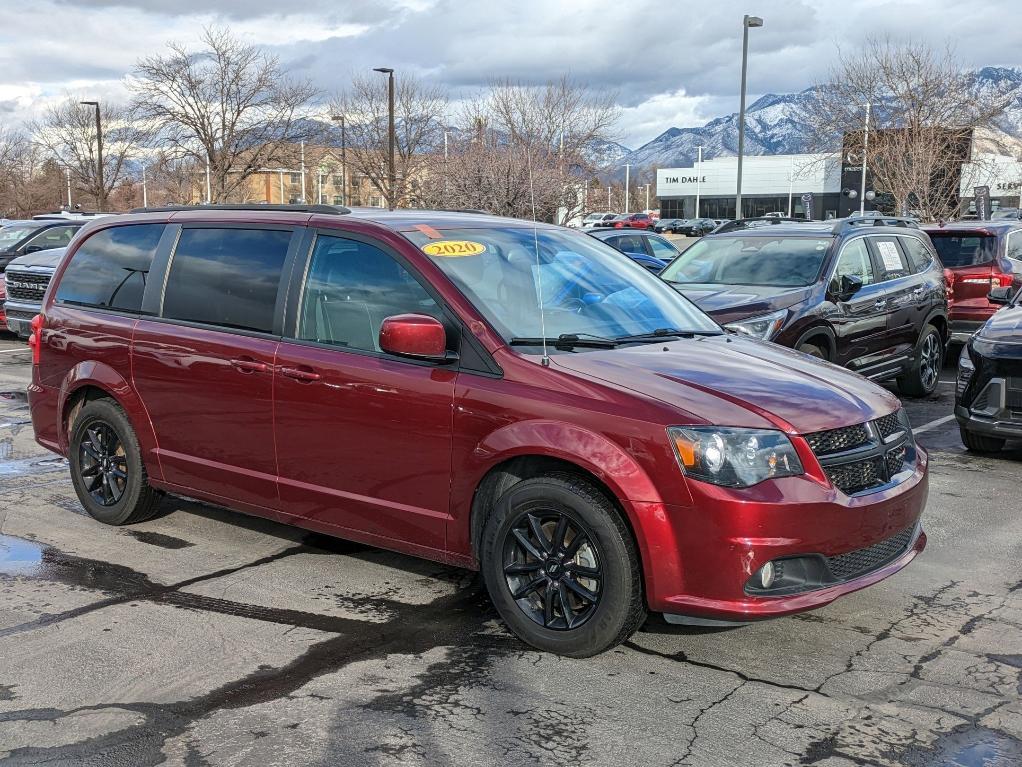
x=747, y=23
x=391, y=173
x=99, y=153
x=865, y=149
x=628, y=169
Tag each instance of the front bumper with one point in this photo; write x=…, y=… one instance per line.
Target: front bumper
x=728, y=535
x=995, y=411
x=19, y=316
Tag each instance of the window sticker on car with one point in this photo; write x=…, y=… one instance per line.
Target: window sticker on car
x=889, y=253
x=453, y=248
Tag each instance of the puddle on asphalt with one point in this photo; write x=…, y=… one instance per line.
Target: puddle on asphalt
x=31, y=465
x=19, y=556
x=977, y=747
x=14, y=396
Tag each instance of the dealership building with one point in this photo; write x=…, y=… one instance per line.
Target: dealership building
x=817, y=185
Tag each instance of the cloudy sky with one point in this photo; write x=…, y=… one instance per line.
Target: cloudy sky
x=669, y=63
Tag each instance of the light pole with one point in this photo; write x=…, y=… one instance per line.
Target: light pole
x=67, y=172
x=145, y=192
x=99, y=153
x=647, y=197
x=391, y=173
x=699, y=178
x=865, y=149
x=747, y=22
x=627, y=182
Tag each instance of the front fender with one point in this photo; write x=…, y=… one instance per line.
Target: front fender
x=101, y=376
x=635, y=492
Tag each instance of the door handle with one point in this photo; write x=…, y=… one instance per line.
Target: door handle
x=249, y=365
x=308, y=376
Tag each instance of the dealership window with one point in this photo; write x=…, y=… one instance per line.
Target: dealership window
x=109, y=269
x=226, y=277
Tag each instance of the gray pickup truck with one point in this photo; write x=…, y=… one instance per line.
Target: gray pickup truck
x=27, y=278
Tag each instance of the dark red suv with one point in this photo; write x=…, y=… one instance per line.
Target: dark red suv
x=481, y=391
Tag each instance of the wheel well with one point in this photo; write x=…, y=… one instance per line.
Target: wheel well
x=940, y=323
x=77, y=401
x=822, y=339
x=503, y=476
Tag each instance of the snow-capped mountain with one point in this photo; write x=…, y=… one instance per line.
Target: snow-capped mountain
x=772, y=126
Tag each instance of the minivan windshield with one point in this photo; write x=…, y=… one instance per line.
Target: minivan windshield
x=747, y=260
x=585, y=287
x=957, y=249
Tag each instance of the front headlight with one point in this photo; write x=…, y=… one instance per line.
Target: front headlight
x=734, y=457
x=763, y=327
x=965, y=366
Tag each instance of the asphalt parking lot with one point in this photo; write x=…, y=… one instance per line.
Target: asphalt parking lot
x=205, y=637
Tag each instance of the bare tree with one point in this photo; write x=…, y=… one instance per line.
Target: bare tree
x=67, y=133
x=419, y=116
x=924, y=112
x=522, y=149
x=30, y=182
x=228, y=105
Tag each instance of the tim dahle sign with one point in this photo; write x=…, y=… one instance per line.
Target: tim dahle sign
x=684, y=179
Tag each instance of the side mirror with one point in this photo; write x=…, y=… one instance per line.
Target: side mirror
x=415, y=335
x=1001, y=295
x=33, y=248
x=848, y=286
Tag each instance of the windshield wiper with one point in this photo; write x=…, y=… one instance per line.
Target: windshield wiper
x=568, y=341
x=665, y=334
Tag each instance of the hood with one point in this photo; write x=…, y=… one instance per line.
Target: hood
x=46, y=258
x=730, y=380
x=1005, y=326
x=727, y=303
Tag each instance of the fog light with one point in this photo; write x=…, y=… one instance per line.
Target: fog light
x=766, y=575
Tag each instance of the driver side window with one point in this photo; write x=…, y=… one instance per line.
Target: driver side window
x=854, y=261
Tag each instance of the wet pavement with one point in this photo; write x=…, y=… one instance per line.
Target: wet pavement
x=205, y=637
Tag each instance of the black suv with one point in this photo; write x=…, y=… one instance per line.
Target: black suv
x=20, y=237
x=988, y=396
x=866, y=292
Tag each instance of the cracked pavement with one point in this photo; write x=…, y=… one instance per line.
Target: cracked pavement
x=205, y=637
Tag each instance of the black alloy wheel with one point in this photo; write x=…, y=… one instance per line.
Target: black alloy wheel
x=553, y=568
x=921, y=379
x=103, y=464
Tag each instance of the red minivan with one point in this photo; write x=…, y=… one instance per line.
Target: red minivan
x=496, y=394
x=978, y=257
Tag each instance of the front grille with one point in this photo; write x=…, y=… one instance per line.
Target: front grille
x=857, y=476
x=861, y=561
x=25, y=286
x=889, y=424
x=863, y=457
x=1013, y=396
x=839, y=440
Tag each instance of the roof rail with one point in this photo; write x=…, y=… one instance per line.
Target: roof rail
x=753, y=223
x=332, y=210
x=853, y=222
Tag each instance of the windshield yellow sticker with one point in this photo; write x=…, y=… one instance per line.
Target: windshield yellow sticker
x=453, y=248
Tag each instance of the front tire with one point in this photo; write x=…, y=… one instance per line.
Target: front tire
x=921, y=379
x=813, y=351
x=979, y=443
x=561, y=567
x=106, y=466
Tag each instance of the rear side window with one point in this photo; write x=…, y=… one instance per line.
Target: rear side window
x=53, y=237
x=628, y=244
x=892, y=260
x=1013, y=249
x=226, y=277
x=918, y=254
x=964, y=249
x=109, y=270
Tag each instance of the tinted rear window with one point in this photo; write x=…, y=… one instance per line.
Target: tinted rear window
x=226, y=277
x=110, y=268
x=964, y=249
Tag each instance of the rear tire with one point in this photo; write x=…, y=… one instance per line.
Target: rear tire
x=979, y=443
x=922, y=378
x=106, y=466
x=561, y=545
